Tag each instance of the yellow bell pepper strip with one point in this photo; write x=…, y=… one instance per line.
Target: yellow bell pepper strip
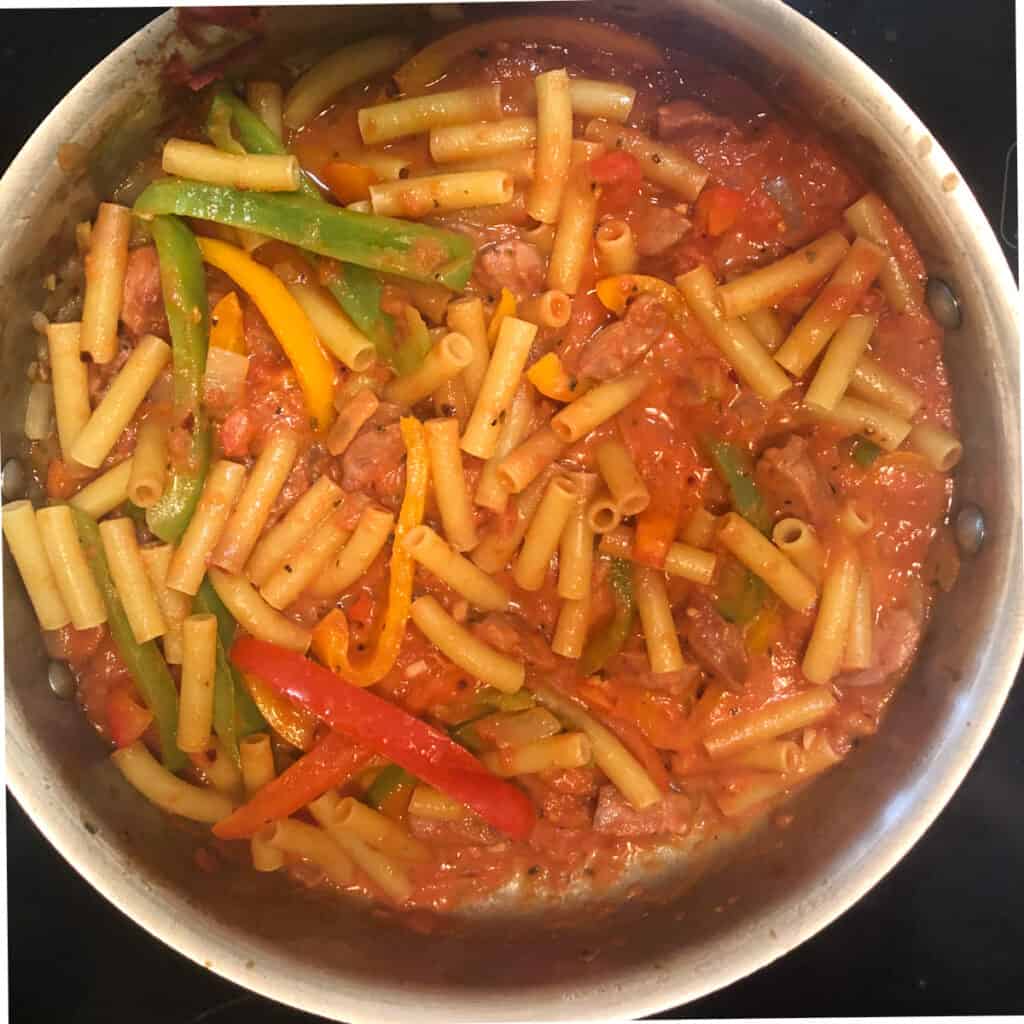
x=227, y=329
x=548, y=376
x=330, y=638
x=763, y=627
x=290, y=325
x=506, y=307
x=293, y=724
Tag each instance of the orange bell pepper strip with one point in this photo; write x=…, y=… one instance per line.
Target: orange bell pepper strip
x=615, y=293
x=332, y=762
x=656, y=528
x=227, y=330
x=506, y=307
x=349, y=183
x=286, y=319
x=293, y=724
x=330, y=637
x=548, y=376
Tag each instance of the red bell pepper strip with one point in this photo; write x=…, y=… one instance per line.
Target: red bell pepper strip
x=332, y=762
x=385, y=729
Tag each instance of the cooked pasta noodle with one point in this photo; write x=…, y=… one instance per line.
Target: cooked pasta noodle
x=174, y=605
x=198, y=666
x=166, y=790
x=70, y=382
x=791, y=275
x=837, y=300
x=25, y=542
x=69, y=568
x=254, y=505
x=458, y=572
x=417, y=114
x=312, y=92
x=277, y=544
x=554, y=145
x=450, y=487
x=220, y=493
x=365, y=544
x=105, y=265
x=663, y=163
x=464, y=649
x=545, y=530
x=131, y=579
x=255, y=615
x=122, y=399
x=764, y=559
x=504, y=372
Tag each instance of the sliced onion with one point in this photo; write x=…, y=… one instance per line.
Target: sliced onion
x=224, y=383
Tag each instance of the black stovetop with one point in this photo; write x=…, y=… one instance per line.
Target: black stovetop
x=943, y=933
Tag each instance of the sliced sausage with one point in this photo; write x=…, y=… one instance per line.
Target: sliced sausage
x=615, y=816
x=792, y=484
x=375, y=462
x=896, y=639
x=657, y=228
x=680, y=117
x=615, y=348
x=142, y=302
x=512, y=264
x=715, y=643
x=514, y=636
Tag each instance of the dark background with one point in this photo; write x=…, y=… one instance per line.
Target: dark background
x=942, y=934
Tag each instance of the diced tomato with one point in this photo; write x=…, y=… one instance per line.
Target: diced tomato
x=717, y=209
x=620, y=177
x=59, y=482
x=126, y=719
x=74, y=645
x=361, y=610
x=616, y=168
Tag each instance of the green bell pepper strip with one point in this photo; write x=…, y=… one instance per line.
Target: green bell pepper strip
x=144, y=661
x=498, y=701
x=400, y=247
x=740, y=594
x=733, y=466
x=356, y=289
x=234, y=712
x=218, y=128
x=358, y=292
x=253, y=135
x=601, y=648
x=183, y=281
x=865, y=452
x=389, y=779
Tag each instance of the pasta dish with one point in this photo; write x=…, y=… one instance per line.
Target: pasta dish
x=484, y=461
